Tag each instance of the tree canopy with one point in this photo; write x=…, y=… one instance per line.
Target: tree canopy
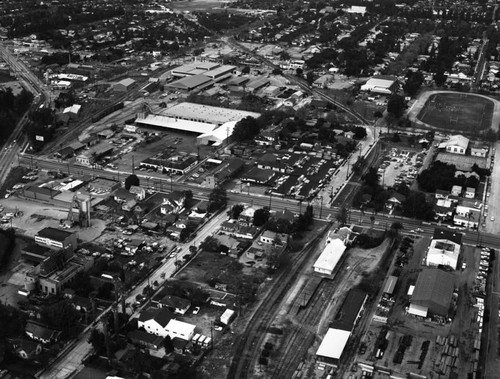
x=131, y=180
x=396, y=105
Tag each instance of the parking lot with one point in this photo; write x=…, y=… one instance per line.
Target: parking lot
x=401, y=165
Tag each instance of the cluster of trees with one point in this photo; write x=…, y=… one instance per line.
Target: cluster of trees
x=40, y=127
x=11, y=108
x=220, y=21
x=217, y=199
x=442, y=176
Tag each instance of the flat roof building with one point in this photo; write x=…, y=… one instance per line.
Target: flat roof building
x=333, y=346
x=386, y=85
x=56, y=238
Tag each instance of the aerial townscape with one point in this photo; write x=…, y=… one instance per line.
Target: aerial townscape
x=211, y=189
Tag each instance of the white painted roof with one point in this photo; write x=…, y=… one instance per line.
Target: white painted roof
x=333, y=343
x=330, y=256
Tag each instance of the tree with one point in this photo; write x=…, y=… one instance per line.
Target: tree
x=210, y=244
x=261, y=216
x=188, y=196
x=236, y=210
x=417, y=206
x=439, y=77
x=359, y=132
x=341, y=217
x=371, y=177
x=131, y=180
x=277, y=71
x=310, y=77
x=245, y=129
x=97, y=340
x=217, y=199
x=245, y=70
x=396, y=105
x=169, y=345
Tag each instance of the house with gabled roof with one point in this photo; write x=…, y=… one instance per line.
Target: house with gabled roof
x=173, y=203
x=175, y=304
x=155, y=321
x=41, y=333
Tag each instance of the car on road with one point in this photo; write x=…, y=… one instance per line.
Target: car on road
x=492, y=218
x=196, y=310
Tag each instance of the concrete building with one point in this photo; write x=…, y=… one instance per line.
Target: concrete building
x=89, y=157
x=180, y=329
x=56, y=238
x=432, y=294
x=443, y=252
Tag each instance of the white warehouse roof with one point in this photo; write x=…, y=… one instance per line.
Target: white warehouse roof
x=206, y=113
x=443, y=252
x=176, y=328
x=330, y=256
x=333, y=343
x=177, y=124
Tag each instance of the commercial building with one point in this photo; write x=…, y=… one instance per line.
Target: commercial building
x=385, y=85
x=180, y=329
x=432, y=294
x=89, y=157
x=56, y=271
x=457, y=144
x=123, y=85
x=56, y=238
x=329, y=258
x=332, y=346
x=444, y=249
x=39, y=193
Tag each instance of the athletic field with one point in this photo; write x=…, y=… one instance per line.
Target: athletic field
x=457, y=111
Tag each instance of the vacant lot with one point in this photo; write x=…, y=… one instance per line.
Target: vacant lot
x=457, y=111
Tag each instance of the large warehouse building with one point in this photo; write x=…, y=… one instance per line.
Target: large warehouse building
x=196, y=76
x=213, y=124
x=432, y=294
x=382, y=84
x=335, y=340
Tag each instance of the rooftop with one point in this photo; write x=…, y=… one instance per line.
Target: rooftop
x=347, y=315
x=54, y=234
x=434, y=285
x=333, y=343
x=206, y=113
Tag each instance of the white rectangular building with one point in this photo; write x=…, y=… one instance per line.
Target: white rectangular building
x=333, y=346
x=180, y=329
x=330, y=256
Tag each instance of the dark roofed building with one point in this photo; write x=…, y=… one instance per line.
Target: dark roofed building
x=349, y=314
x=161, y=316
x=175, y=304
x=144, y=339
x=56, y=238
x=433, y=292
x=41, y=333
x=39, y=193
x=445, y=234
x=36, y=253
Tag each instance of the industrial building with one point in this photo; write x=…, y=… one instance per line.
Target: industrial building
x=213, y=124
x=199, y=76
x=432, y=294
x=341, y=328
x=330, y=256
x=56, y=238
x=382, y=84
x=89, y=157
x=123, y=85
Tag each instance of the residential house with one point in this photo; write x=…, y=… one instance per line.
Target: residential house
x=443, y=209
x=41, y=333
x=479, y=149
x=121, y=195
x=179, y=345
x=468, y=214
x=271, y=161
x=441, y=194
x=139, y=192
x=173, y=203
x=232, y=244
x=147, y=340
x=271, y=238
x=284, y=215
x=470, y=193
x=456, y=190
x=246, y=216
x=129, y=205
x=395, y=201
x=26, y=349
x=155, y=321
x=175, y=304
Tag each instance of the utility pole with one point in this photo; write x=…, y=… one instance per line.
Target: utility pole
x=347, y=174
x=133, y=165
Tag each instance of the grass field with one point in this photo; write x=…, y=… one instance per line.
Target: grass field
x=457, y=111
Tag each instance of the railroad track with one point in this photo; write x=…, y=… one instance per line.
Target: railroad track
x=249, y=344
x=309, y=318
